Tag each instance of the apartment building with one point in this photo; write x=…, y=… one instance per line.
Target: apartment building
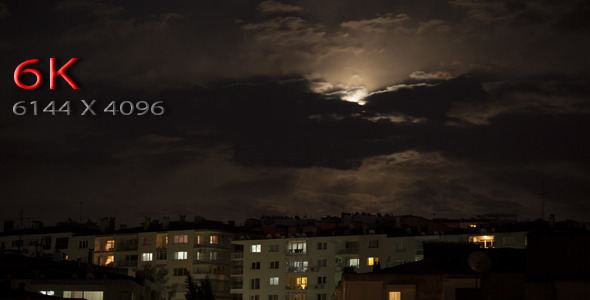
x=201, y=248
x=68, y=241
x=299, y=267
x=291, y=266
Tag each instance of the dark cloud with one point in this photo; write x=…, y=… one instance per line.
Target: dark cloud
x=270, y=6
x=468, y=105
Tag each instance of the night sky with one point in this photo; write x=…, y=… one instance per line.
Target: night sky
x=454, y=108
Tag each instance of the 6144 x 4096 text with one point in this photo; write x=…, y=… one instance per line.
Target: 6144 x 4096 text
x=89, y=108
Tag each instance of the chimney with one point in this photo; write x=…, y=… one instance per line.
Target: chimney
x=112, y=224
x=166, y=223
x=146, y=223
x=182, y=219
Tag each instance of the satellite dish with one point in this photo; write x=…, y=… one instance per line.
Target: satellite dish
x=479, y=262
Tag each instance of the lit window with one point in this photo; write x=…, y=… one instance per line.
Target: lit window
x=88, y=295
x=353, y=262
x=110, y=245
x=302, y=282
x=297, y=247
x=395, y=296
x=147, y=256
x=106, y=260
x=372, y=261
x=256, y=248
x=214, y=239
x=297, y=266
x=181, y=239
x=296, y=282
x=161, y=240
x=48, y=293
x=180, y=255
x=274, y=281
x=484, y=241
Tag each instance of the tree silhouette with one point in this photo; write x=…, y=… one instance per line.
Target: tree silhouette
x=203, y=291
x=192, y=290
x=158, y=276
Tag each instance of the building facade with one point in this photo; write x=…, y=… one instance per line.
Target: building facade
x=309, y=268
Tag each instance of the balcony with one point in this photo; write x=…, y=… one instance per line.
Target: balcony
x=295, y=287
x=207, y=270
x=126, y=247
x=354, y=250
x=236, y=288
x=209, y=261
x=237, y=271
x=127, y=263
x=296, y=252
x=220, y=245
x=296, y=269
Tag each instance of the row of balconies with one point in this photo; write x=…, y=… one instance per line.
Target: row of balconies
x=318, y=286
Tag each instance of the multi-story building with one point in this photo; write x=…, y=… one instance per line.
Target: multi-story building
x=290, y=266
x=66, y=241
x=309, y=268
x=201, y=248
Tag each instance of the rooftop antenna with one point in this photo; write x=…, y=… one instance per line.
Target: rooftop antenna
x=21, y=214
